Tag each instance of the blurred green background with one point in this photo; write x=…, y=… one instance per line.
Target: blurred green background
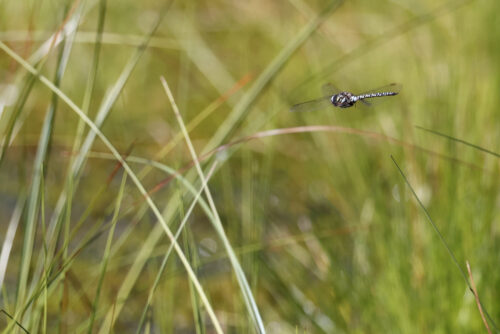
x=314, y=213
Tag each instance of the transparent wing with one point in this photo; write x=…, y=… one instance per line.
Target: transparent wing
x=328, y=89
x=366, y=103
x=314, y=105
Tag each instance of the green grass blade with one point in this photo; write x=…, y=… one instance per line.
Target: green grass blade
x=89, y=89
x=29, y=81
x=132, y=175
x=45, y=248
x=38, y=58
x=105, y=259
x=200, y=53
x=458, y=140
x=241, y=109
x=104, y=111
x=40, y=161
x=152, y=239
x=78, y=162
x=191, y=251
x=18, y=324
x=441, y=238
x=240, y=275
x=164, y=168
x=69, y=29
x=8, y=240
x=197, y=199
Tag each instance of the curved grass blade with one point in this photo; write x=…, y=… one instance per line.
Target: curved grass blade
x=163, y=265
x=48, y=282
x=238, y=270
x=68, y=31
x=77, y=163
x=138, y=184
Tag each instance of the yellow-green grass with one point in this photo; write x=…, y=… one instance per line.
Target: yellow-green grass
x=154, y=180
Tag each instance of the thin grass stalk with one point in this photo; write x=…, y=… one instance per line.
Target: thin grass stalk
x=78, y=162
x=240, y=275
x=105, y=259
x=242, y=108
x=443, y=241
x=458, y=140
x=44, y=314
x=191, y=250
x=40, y=161
x=163, y=265
x=476, y=297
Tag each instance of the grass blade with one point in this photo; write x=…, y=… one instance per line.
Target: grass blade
x=243, y=107
x=154, y=235
x=132, y=175
x=41, y=55
x=196, y=199
x=476, y=296
x=458, y=140
x=441, y=238
x=240, y=275
x=9, y=237
x=40, y=161
x=106, y=253
x=76, y=164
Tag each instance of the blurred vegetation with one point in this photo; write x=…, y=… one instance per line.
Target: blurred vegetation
x=306, y=225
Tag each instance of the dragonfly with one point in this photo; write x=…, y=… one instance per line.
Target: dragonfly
x=341, y=99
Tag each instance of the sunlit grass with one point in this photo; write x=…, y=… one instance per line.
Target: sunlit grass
x=202, y=205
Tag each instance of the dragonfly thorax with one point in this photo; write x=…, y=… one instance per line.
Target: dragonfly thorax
x=344, y=100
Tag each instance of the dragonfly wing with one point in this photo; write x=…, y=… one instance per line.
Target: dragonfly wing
x=314, y=105
x=328, y=89
x=366, y=103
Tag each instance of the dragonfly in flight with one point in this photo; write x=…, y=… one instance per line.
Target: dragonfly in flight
x=334, y=97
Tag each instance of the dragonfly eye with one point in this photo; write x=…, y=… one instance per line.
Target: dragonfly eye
x=334, y=98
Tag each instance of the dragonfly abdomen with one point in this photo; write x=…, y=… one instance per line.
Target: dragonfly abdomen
x=371, y=95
